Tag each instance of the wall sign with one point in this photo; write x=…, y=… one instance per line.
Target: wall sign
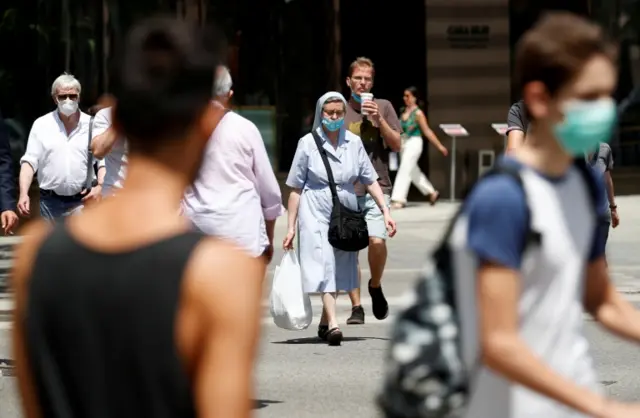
x=468, y=36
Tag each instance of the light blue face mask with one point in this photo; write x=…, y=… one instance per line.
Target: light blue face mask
x=333, y=125
x=356, y=97
x=586, y=124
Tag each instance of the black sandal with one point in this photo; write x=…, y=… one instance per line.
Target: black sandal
x=323, y=330
x=334, y=336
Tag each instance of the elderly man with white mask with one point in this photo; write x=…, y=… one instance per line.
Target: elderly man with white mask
x=58, y=151
x=236, y=195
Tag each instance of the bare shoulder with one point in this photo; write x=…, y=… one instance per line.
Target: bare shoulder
x=33, y=236
x=223, y=277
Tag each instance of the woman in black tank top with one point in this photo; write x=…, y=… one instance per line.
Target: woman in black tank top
x=123, y=312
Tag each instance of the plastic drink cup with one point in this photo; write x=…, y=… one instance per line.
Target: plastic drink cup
x=365, y=97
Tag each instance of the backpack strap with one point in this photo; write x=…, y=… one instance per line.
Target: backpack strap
x=533, y=237
x=88, y=182
x=590, y=181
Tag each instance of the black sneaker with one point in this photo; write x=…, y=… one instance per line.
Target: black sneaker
x=357, y=316
x=380, y=306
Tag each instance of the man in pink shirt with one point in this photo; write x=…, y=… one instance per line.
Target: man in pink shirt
x=236, y=195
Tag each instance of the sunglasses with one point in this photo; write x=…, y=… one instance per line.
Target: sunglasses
x=67, y=96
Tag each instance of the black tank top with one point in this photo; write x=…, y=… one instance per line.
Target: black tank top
x=100, y=330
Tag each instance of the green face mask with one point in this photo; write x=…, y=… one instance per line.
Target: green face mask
x=586, y=124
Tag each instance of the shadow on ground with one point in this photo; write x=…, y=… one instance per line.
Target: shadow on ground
x=263, y=403
x=316, y=340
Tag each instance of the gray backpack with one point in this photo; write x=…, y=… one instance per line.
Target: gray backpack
x=426, y=376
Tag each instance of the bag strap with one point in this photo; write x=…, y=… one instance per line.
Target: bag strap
x=497, y=169
x=89, y=180
x=588, y=177
x=325, y=161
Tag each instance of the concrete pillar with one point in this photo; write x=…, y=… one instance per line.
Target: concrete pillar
x=468, y=79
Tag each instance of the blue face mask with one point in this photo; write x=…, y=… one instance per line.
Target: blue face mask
x=586, y=124
x=333, y=125
x=356, y=97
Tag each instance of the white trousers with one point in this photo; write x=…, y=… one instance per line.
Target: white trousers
x=409, y=172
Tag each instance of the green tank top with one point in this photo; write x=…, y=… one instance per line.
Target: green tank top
x=410, y=126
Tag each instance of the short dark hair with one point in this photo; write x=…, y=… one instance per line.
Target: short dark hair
x=556, y=49
x=163, y=80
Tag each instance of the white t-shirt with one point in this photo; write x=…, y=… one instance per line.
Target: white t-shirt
x=494, y=227
x=116, y=160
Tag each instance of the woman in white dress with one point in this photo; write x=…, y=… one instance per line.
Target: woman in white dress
x=324, y=268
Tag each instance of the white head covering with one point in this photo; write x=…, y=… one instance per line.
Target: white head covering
x=317, y=121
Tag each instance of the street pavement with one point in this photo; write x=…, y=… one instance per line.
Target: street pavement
x=297, y=376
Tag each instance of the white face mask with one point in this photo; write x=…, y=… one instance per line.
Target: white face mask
x=68, y=107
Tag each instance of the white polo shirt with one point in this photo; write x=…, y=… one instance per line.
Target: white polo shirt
x=116, y=160
x=59, y=160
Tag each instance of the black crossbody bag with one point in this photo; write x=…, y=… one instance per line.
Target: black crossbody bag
x=347, y=228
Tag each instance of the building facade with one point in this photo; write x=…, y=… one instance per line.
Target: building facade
x=468, y=83
x=470, y=48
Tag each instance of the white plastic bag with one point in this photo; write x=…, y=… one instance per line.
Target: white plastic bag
x=393, y=161
x=290, y=306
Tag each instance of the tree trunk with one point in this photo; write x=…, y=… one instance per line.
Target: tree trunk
x=193, y=10
x=335, y=53
x=203, y=12
x=106, y=46
x=66, y=34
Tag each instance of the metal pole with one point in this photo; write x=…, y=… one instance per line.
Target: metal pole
x=453, y=170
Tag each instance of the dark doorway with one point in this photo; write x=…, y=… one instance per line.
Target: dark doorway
x=394, y=39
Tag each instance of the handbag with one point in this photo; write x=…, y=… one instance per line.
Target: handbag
x=347, y=227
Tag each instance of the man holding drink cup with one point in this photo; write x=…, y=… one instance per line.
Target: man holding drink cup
x=375, y=121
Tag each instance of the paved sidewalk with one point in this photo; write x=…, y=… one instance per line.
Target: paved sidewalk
x=298, y=377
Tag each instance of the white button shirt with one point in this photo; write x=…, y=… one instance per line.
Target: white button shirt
x=60, y=160
x=116, y=160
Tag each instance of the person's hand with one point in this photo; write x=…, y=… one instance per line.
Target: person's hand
x=371, y=109
x=23, y=205
x=615, y=218
x=287, y=243
x=391, y=225
x=620, y=410
x=9, y=221
x=93, y=195
x=443, y=150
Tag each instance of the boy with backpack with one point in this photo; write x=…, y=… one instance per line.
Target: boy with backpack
x=496, y=327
